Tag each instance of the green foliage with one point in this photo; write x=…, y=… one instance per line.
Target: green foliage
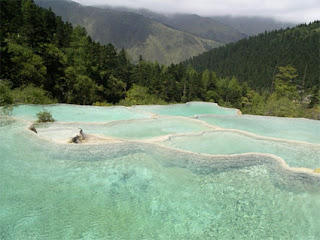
x=138, y=95
x=282, y=107
x=31, y=95
x=115, y=89
x=313, y=113
x=6, y=96
x=27, y=67
x=315, y=97
x=44, y=116
x=254, y=60
x=102, y=104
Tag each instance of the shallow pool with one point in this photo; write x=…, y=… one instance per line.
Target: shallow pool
x=76, y=113
x=141, y=189
x=298, y=129
x=228, y=142
x=128, y=129
x=189, y=109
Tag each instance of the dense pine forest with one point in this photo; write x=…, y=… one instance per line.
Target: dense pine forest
x=45, y=60
x=255, y=59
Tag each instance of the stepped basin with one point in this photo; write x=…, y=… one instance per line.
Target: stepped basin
x=223, y=142
x=128, y=129
x=76, y=113
x=298, y=129
x=189, y=109
x=131, y=190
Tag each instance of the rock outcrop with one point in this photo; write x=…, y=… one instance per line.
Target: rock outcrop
x=78, y=138
x=33, y=128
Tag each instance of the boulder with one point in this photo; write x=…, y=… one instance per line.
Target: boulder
x=33, y=128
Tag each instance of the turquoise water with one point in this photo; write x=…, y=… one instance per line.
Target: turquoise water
x=225, y=142
x=131, y=129
x=75, y=113
x=286, y=128
x=141, y=190
x=188, y=109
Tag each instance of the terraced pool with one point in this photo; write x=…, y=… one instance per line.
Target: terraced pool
x=168, y=175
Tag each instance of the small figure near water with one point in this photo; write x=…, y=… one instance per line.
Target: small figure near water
x=81, y=133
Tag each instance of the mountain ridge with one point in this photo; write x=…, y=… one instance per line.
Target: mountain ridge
x=205, y=27
x=133, y=32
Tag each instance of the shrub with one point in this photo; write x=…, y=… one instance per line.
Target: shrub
x=102, y=104
x=139, y=95
x=44, y=116
x=6, y=96
x=32, y=95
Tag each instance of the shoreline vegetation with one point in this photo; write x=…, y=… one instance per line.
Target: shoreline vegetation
x=45, y=60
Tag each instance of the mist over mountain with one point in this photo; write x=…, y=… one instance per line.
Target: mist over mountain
x=204, y=27
x=137, y=34
x=253, y=25
x=166, y=38
x=223, y=28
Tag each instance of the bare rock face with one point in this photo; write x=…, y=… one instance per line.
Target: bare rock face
x=33, y=128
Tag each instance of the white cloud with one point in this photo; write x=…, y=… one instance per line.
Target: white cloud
x=289, y=10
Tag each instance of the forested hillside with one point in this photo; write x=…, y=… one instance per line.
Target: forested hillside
x=256, y=59
x=137, y=34
x=45, y=60
x=47, y=57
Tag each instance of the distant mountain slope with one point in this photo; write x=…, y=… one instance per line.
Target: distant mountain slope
x=167, y=45
x=204, y=27
x=137, y=34
x=254, y=60
x=253, y=25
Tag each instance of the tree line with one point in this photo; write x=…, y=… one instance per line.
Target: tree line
x=45, y=60
x=254, y=60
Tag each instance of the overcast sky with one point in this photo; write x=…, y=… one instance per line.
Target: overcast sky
x=287, y=10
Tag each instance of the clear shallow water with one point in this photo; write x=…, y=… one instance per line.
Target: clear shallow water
x=285, y=128
x=131, y=129
x=76, y=113
x=136, y=190
x=52, y=191
x=226, y=142
x=189, y=109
